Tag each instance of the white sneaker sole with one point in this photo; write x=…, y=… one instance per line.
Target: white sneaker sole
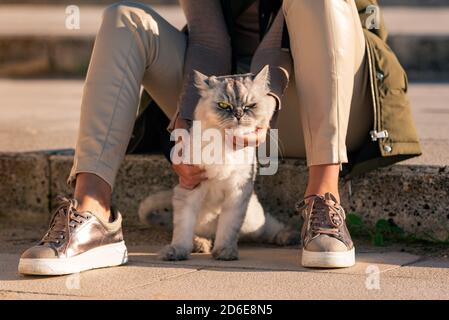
x=105, y=256
x=313, y=259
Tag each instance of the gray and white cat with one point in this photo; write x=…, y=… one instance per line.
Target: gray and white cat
x=224, y=207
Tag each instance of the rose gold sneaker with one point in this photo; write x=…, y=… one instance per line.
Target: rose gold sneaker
x=325, y=238
x=75, y=242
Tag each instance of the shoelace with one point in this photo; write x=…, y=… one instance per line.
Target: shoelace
x=65, y=217
x=322, y=213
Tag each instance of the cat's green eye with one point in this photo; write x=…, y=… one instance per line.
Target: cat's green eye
x=224, y=105
x=250, y=106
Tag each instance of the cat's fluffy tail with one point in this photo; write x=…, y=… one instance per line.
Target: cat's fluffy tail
x=159, y=201
x=276, y=232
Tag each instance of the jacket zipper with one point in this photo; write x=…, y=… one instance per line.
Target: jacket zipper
x=373, y=93
x=375, y=134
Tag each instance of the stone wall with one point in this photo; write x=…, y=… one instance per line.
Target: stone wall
x=415, y=198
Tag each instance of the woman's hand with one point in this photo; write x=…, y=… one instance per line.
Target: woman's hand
x=190, y=176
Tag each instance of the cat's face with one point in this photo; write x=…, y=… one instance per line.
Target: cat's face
x=238, y=102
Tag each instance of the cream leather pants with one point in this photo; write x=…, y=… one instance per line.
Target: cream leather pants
x=327, y=97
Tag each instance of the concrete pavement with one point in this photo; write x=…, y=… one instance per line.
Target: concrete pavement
x=41, y=114
x=416, y=20
x=261, y=273
x=394, y=272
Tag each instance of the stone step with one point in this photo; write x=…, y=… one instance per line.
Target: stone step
x=35, y=42
x=411, y=196
x=424, y=57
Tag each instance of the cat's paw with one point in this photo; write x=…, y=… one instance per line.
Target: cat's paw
x=287, y=237
x=226, y=253
x=202, y=245
x=174, y=253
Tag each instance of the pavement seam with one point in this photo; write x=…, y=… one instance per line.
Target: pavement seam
x=418, y=260
x=45, y=293
x=151, y=283
x=407, y=264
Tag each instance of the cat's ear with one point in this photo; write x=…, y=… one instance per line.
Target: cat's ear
x=262, y=79
x=203, y=82
x=200, y=80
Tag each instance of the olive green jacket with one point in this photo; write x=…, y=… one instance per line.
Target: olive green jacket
x=393, y=136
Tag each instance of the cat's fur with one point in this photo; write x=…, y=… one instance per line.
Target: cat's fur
x=224, y=206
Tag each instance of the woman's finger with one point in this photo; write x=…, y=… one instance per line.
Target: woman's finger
x=187, y=169
x=193, y=170
x=192, y=181
x=201, y=176
x=187, y=184
x=189, y=176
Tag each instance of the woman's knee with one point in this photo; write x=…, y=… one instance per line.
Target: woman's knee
x=286, y=5
x=299, y=6
x=128, y=13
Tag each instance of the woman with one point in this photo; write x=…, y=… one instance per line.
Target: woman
x=319, y=46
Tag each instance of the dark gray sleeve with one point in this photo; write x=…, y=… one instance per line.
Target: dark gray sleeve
x=208, y=48
x=270, y=52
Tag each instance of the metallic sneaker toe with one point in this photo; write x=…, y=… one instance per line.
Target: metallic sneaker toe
x=40, y=252
x=324, y=243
